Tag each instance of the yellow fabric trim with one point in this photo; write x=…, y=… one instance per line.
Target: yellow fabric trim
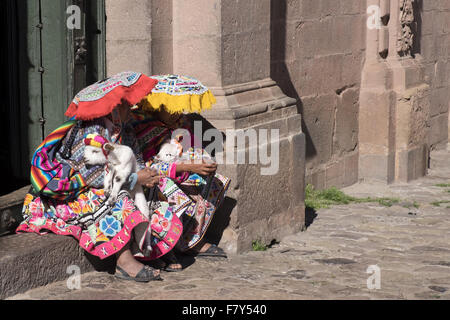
x=191, y=103
x=95, y=144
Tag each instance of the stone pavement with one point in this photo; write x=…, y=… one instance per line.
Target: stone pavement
x=328, y=261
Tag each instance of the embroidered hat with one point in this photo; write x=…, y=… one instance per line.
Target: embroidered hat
x=95, y=140
x=178, y=94
x=101, y=98
x=98, y=141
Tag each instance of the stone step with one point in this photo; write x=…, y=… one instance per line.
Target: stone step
x=29, y=261
x=11, y=210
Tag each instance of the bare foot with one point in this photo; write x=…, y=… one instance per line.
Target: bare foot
x=172, y=262
x=202, y=247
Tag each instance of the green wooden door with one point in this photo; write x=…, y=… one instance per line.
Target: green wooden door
x=72, y=57
x=49, y=60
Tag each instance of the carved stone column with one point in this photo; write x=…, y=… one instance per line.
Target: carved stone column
x=395, y=103
x=376, y=116
x=226, y=44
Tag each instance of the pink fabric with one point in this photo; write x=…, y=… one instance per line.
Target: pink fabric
x=180, y=177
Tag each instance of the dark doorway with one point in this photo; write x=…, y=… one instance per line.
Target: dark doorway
x=10, y=156
x=45, y=64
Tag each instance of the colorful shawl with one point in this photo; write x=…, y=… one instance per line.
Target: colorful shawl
x=49, y=176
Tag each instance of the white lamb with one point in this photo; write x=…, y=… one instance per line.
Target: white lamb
x=121, y=163
x=169, y=151
x=172, y=150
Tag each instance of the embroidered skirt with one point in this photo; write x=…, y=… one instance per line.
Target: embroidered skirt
x=195, y=203
x=102, y=229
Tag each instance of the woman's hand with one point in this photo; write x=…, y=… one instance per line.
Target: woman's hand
x=201, y=168
x=148, y=178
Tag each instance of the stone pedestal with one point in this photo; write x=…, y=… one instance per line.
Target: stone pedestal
x=209, y=35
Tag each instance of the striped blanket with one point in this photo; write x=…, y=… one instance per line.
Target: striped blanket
x=50, y=177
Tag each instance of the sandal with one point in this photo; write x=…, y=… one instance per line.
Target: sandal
x=213, y=251
x=145, y=275
x=169, y=259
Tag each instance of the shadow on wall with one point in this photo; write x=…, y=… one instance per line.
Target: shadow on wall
x=278, y=68
x=417, y=31
x=222, y=217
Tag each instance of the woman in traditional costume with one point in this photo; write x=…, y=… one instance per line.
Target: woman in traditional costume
x=67, y=196
x=192, y=188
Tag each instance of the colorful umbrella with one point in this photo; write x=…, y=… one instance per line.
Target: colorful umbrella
x=101, y=98
x=178, y=94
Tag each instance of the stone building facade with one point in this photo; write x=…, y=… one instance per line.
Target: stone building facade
x=359, y=89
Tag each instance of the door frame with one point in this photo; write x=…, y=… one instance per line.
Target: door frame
x=41, y=75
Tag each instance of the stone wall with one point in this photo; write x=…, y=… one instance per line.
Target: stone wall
x=434, y=45
x=317, y=57
x=128, y=36
x=370, y=103
x=162, y=37
x=225, y=44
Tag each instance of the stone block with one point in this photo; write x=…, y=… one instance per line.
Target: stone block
x=162, y=56
x=259, y=215
x=328, y=8
x=311, y=9
x=439, y=101
x=343, y=41
x=119, y=56
x=322, y=75
x=298, y=166
x=428, y=49
x=128, y=10
x=11, y=210
x=317, y=179
x=351, y=7
x=430, y=5
x=335, y=175
x=345, y=138
x=121, y=30
x=438, y=129
x=427, y=23
x=289, y=41
x=352, y=66
x=293, y=9
x=318, y=115
x=199, y=58
x=442, y=71
x=351, y=164
x=28, y=261
x=449, y=127
x=190, y=21
x=376, y=118
x=373, y=167
x=251, y=57
x=162, y=18
x=411, y=164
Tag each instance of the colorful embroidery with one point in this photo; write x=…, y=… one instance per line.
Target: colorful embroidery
x=123, y=208
x=110, y=226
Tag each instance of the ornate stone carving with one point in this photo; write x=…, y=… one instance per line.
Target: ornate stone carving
x=406, y=34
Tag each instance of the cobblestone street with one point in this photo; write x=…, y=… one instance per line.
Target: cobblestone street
x=328, y=261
